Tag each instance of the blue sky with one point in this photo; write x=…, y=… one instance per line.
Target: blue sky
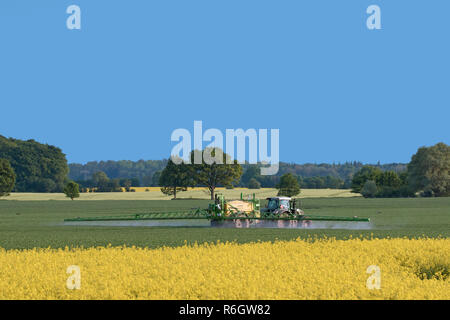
x=137, y=70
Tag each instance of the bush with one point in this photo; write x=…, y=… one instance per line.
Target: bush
x=254, y=184
x=369, y=189
x=71, y=190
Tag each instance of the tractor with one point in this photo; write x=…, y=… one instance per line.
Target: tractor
x=283, y=206
x=286, y=209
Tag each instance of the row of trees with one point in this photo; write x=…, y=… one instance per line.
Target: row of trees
x=28, y=166
x=428, y=174
x=100, y=182
x=143, y=171
x=254, y=180
x=313, y=175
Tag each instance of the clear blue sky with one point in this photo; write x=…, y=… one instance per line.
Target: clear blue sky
x=137, y=70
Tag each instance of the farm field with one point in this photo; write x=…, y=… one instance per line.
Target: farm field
x=29, y=224
x=297, y=269
x=155, y=193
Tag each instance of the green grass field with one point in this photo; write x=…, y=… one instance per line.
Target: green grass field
x=28, y=224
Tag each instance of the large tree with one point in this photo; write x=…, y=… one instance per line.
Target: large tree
x=7, y=178
x=429, y=170
x=38, y=167
x=175, y=178
x=288, y=185
x=215, y=168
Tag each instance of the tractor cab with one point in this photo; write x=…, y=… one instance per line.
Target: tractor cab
x=279, y=205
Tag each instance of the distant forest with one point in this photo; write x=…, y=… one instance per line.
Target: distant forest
x=146, y=172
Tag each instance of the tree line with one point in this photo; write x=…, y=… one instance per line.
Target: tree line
x=142, y=172
x=316, y=176
x=29, y=166
x=428, y=175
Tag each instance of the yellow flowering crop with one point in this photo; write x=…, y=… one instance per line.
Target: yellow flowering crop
x=300, y=269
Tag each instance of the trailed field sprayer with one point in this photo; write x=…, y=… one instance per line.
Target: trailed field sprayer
x=280, y=212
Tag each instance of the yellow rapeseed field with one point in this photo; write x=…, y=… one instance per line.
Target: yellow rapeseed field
x=299, y=269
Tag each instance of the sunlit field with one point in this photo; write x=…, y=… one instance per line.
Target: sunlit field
x=154, y=193
x=298, y=269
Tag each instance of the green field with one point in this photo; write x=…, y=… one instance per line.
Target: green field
x=28, y=224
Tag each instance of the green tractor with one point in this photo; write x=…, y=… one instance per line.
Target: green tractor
x=283, y=206
x=284, y=212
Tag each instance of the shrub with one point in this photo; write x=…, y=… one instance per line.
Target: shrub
x=254, y=184
x=369, y=189
x=71, y=190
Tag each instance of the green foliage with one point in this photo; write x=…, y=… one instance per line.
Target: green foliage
x=389, y=179
x=252, y=172
x=147, y=172
x=369, y=189
x=71, y=190
x=124, y=169
x=211, y=173
x=175, y=178
x=429, y=170
x=135, y=182
x=125, y=183
x=38, y=167
x=362, y=176
x=254, y=184
x=327, y=182
x=99, y=179
x=7, y=178
x=155, y=178
x=101, y=183
x=288, y=185
x=388, y=184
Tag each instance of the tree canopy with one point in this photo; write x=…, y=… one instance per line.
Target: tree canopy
x=38, y=167
x=213, y=174
x=175, y=178
x=366, y=173
x=288, y=185
x=71, y=190
x=7, y=178
x=429, y=170
x=369, y=189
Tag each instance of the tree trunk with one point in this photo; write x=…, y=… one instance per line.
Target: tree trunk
x=175, y=192
x=211, y=189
